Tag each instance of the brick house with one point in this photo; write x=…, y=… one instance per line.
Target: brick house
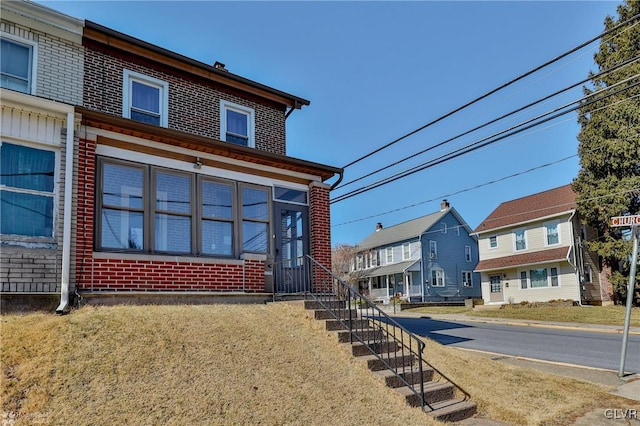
x=183, y=186
x=532, y=250
x=41, y=76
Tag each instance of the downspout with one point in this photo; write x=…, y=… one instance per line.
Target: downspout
x=336, y=183
x=66, y=230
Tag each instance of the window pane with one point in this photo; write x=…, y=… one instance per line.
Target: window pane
x=554, y=277
x=26, y=214
x=523, y=280
x=27, y=168
x=15, y=61
x=552, y=234
x=254, y=235
x=145, y=97
x=293, y=195
x=237, y=123
x=254, y=204
x=145, y=117
x=216, y=200
x=520, y=241
x=173, y=233
x=122, y=230
x=217, y=238
x=122, y=186
x=173, y=193
x=538, y=277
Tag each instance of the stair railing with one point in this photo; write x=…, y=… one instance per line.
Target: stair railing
x=396, y=348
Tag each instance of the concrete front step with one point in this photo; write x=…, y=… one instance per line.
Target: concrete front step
x=410, y=374
x=359, y=324
x=327, y=304
x=323, y=314
x=395, y=360
x=433, y=392
x=359, y=349
x=453, y=410
x=366, y=335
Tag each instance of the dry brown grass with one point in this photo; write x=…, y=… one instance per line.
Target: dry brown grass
x=241, y=364
x=520, y=396
x=215, y=365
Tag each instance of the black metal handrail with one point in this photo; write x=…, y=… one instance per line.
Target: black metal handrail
x=399, y=350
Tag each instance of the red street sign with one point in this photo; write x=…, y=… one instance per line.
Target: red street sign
x=626, y=220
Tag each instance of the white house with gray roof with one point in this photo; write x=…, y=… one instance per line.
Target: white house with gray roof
x=430, y=258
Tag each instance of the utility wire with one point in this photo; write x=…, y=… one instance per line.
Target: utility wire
x=487, y=141
x=625, y=63
x=491, y=92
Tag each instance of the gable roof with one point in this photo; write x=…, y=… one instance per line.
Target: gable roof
x=526, y=209
x=408, y=230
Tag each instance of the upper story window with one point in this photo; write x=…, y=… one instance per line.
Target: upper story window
x=493, y=242
x=237, y=124
x=552, y=233
x=520, y=237
x=406, y=251
x=27, y=187
x=467, y=253
x=443, y=227
x=433, y=250
x=375, y=261
x=145, y=99
x=389, y=252
x=17, y=64
x=358, y=262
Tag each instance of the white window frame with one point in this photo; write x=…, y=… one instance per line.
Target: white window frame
x=546, y=232
x=489, y=242
x=527, y=278
x=53, y=195
x=467, y=253
x=33, y=63
x=467, y=283
x=128, y=77
x=389, y=255
x=515, y=239
x=249, y=112
x=437, y=278
x=433, y=249
x=443, y=227
x=406, y=251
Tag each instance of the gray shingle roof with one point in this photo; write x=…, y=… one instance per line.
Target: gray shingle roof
x=402, y=231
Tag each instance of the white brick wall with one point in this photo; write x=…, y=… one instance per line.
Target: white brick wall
x=59, y=65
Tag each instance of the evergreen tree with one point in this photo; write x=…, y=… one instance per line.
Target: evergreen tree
x=608, y=183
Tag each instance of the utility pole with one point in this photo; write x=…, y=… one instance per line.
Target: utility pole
x=634, y=222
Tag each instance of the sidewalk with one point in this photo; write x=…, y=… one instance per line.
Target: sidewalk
x=628, y=387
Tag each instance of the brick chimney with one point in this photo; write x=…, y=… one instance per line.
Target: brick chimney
x=444, y=205
x=378, y=226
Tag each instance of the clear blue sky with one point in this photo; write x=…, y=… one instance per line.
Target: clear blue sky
x=375, y=71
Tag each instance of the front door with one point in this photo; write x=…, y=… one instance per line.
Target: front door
x=291, y=272
x=496, y=294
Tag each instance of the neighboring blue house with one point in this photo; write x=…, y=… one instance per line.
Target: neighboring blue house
x=429, y=259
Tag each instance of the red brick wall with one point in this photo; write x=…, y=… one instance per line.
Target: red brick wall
x=320, y=229
x=138, y=275
x=194, y=106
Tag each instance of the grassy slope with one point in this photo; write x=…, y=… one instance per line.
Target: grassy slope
x=239, y=364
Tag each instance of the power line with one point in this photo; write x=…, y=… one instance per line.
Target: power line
x=625, y=63
x=488, y=140
x=532, y=169
x=491, y=92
